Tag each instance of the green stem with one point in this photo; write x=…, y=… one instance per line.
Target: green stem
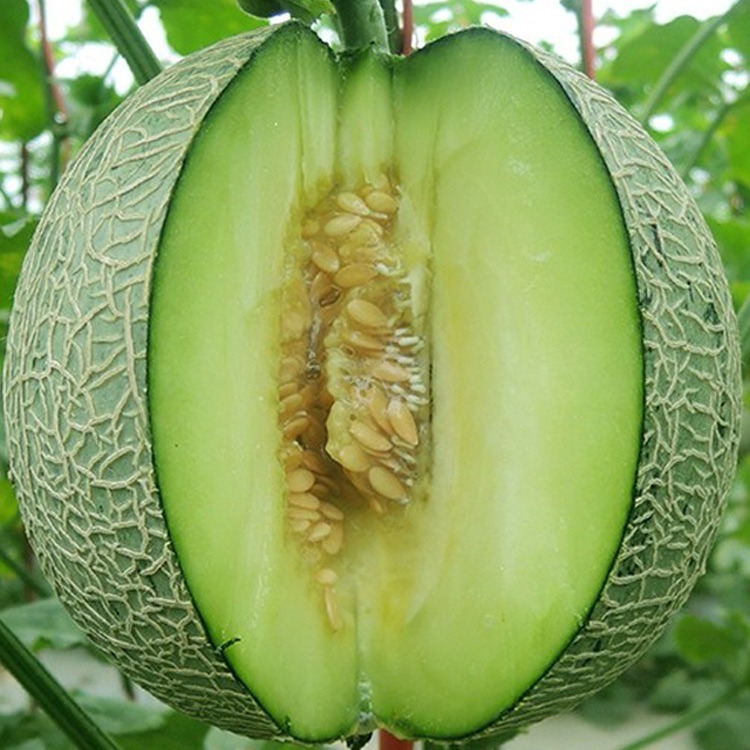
x=390, y=14
x=681, y=61
x=50, y=695
x=127, y=37
x=362, y=24
x=683, y=722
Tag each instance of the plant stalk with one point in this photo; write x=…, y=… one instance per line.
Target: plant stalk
x=586, y=26
x=56, y=102
x=25, y=182
x=50, y=695
x=683, y=722
x=362, y=24
x=390, y=14
x=407, y=33
x=127, y=37
x=681, y=61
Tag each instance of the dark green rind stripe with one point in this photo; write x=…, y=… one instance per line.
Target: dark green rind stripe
x=75, y=396
x=691, y=415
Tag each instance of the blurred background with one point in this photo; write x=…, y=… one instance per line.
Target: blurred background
x=681, y=67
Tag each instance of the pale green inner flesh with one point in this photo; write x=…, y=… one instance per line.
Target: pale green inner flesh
x=452, y=613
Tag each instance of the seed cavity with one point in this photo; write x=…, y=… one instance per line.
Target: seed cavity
x=353, y=377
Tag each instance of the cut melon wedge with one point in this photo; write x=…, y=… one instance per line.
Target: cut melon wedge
x=512, y=249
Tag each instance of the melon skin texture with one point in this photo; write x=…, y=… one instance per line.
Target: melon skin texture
x=79, y=434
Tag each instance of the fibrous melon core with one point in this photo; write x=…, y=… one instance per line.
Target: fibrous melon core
x=353, y=376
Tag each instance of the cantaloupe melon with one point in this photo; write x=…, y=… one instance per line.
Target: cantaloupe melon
x=359, y=392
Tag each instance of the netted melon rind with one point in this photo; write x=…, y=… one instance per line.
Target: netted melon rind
x=75, y=397
x=692, y=409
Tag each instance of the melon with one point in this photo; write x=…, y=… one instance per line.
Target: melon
x=364, y=391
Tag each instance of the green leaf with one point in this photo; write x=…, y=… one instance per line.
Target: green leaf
x=701, y=641
x=23, y=113
x=610, y=707
x=30, y=745
x=733, y=238
x=8, y=503
x=90, y=28
x=192, y=24
x=179, y=732
x=90, y=99
x=728, y=729
x=643, y=58
x=42, y=624
x=737, y=127
x=738, y=29
x=220, y=739
x=120, y=717
x=306, y=11
x=29, y=730
x=49, y=694
x=15, y=236
x=678, y=691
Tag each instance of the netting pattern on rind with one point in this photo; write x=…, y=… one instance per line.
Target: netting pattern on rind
x=76, y=397
x=691, y=418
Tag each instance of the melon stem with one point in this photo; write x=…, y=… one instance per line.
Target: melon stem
x=362, y=25
x=386, y=741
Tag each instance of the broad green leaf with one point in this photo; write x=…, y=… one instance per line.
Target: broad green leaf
x=179, y=732
x=728, y=729
x=611, y=706
x=31, y=730
x=8, y=504
x=673, y=693
x=30, y=745
x=643, y=58
x=90, y=28
x=219, y=739
x=733, y=239
x=738, y=29
x=701, y=641
x=737, y=127
x=90, y=99
x=123, y=716
x=192, y=24
x=43, y=623
x=23, y=113
x=15, y=236
x=678, y=691
x=304, y=10
x=448, y=15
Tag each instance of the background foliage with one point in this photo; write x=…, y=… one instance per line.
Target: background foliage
x=686, y=79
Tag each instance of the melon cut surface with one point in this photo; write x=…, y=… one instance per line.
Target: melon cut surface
x=529, y=315
x=511, y=424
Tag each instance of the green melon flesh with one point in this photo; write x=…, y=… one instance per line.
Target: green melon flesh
x=455, y=608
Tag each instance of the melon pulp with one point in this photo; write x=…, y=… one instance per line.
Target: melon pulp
x=514, y=273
